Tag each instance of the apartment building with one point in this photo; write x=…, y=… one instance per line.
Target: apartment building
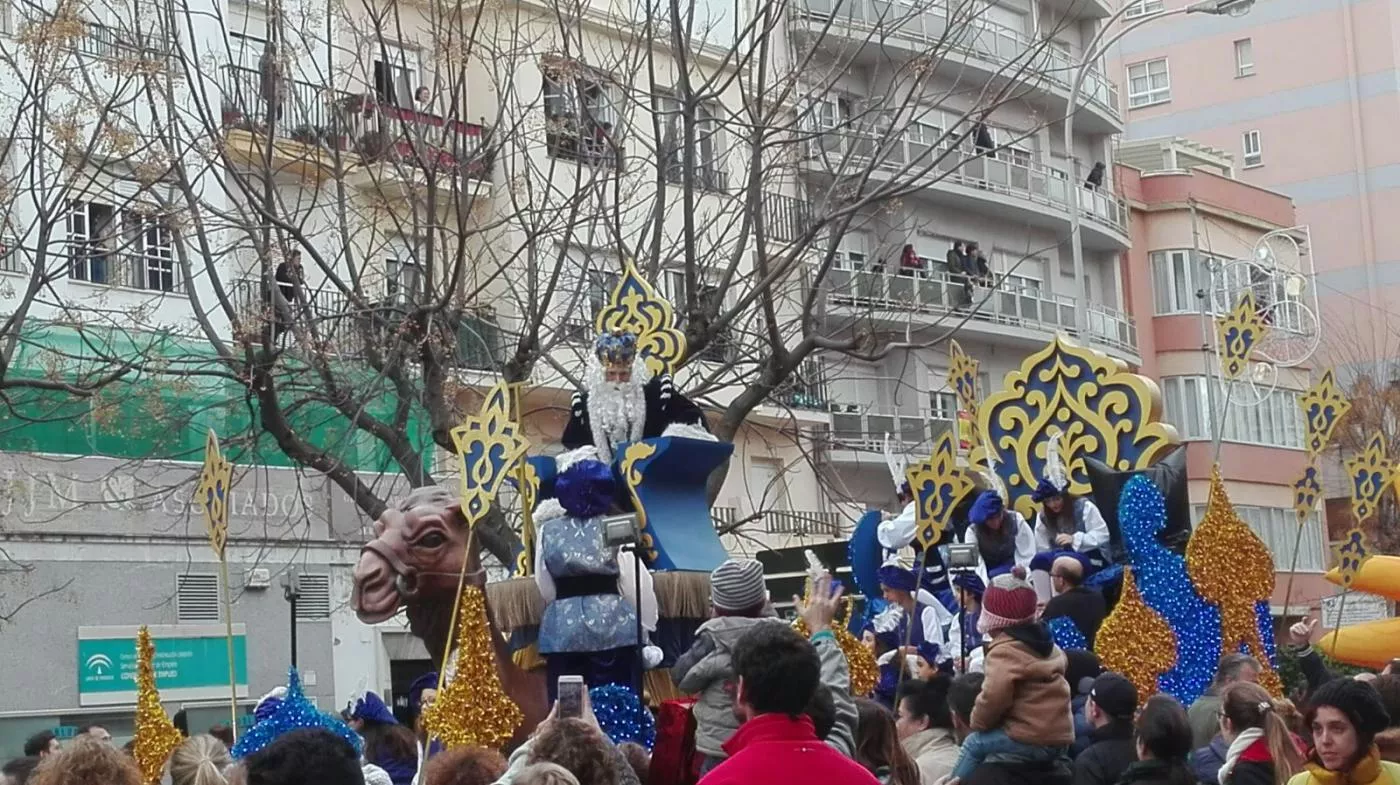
x=1201, y=237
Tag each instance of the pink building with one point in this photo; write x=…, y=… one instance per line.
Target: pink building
x=1304, y=94
x=1186, y=210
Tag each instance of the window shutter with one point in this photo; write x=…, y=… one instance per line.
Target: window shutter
x=197, y=598
x=314, y=604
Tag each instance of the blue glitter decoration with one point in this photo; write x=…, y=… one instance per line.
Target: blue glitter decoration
x=622, y=716
x=1067, y=634
x=1166, y=588
x=1266, y=630
x=294, y=712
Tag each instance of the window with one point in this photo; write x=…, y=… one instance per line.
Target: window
x=403, y=278
x=1149, y=83
x=197, y=598
x=395, y=75
x=850, y=252
x=768, y=485
x=942, y=406
x=708, y=174
x=1278, y=528
x=1142, y=8
x=1175, y=280
x=580, y=117
x=1244, y=57
x=1274, y=422
x=121, y=248
x=1029, y=275
x=1253, y=151
x=589, y=294
x=314, y=602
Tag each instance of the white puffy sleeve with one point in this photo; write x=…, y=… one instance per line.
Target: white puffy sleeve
x=1095, y=534
x=645, y=603
x=1025, y=543
x=542, y=577
x=1042, y=535
x=941, y=625
x=898, y=532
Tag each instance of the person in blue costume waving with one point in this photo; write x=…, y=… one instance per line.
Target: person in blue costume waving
x=1066, y=524
x=1003, y=538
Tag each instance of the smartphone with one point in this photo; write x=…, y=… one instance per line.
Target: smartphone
x=570, y=699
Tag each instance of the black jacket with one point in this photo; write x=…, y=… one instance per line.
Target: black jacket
x=1155, y=772
x=1252, y=773
x=1111, y=751
x=1082, y=605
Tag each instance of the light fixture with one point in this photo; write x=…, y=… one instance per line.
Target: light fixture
x=1293, y=286
x=1221, y=7
x=620, y=529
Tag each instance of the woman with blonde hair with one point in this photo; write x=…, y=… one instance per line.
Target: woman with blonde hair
x=199, y=760
x=1262, y=749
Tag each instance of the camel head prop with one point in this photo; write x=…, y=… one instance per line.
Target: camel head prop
x=414, y=562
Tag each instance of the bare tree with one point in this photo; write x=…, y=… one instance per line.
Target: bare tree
x=352, y=213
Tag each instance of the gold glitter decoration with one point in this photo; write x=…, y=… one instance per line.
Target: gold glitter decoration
x=860, y=661
x=1136, y=641
x=156, y=736
x=473, y=709
x=1233, y=569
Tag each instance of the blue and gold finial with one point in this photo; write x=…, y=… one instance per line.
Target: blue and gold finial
x=1324, y=406
x=1239, y=332
x=938, y=485
x=636, y=307
x=1369, y=474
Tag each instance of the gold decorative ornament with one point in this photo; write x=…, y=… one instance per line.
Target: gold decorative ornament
x=962, y=377
x=1239, y=332
x=1233, y=569
x=1324, y=406
x=1136, y=641
x=529, y=492
x=1352, y=552
x=1369, y=475
x=488, y=445
x=636, y=307
x=1102, y=410
x=211, y=494
x=860, y=661
x=632, y=475
x=1306, y=491
x=938, y=485
x=472, y=709
x=156, y=736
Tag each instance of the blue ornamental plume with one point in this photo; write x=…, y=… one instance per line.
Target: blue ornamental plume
x=586, y=489
x=622, y=716
x=294, y=712
x=1067, y=634
x=1165, y=587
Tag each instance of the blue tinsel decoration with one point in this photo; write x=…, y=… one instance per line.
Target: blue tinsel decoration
x=622, y=716
x=1067, y=634
x=586, y=489
x=1266, y=630
x=294, y=712
x=1167, y=588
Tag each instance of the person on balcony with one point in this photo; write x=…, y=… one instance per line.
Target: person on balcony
x=957, y=271
x=270, y=79
x=1066, y=524
x=1005, y=542
x=910, y=265
x=897, y=532
x=289, y=278
x=1095, y=180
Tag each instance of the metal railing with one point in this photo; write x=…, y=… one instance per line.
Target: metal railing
x=786, y=218
x=928, y=26
x=11, y=260
x=826, y=524
x=938, y=293
x=94, y=263
x=301, y=111
x=865, y=431
x=967, y=166
x=103, y=41
x=383, y=130
x=328, y=314
x=704, y=178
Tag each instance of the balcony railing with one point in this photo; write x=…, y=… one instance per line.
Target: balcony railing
x=938, y=293
x=866, y=431
x=302, y=113
x=11, y=260
x=102, y=41
x=786, y=218
x=801, y=523
x=1028, y=180
x=702, y=177
x=95, y=263
x=927, y=26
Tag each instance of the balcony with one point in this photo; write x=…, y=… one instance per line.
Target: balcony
x=854, y=430
x=315, y=126
x=1002, y=185
x=710, y=178
x=875, y=28
x=797, y=523
x=1007, y=313
x=93, y=263
x=114, y=44
x=785, y=218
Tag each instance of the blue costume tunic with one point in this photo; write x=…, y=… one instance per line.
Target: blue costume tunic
x=587, y=614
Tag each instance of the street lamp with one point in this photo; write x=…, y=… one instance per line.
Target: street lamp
x=291, y=592
x=1092, y=52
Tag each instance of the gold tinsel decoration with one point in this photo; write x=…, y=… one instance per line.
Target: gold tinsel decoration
x=156, y=735
x=1136, y=641
x=1233, y=569
x=860, y=661
x=473, y=709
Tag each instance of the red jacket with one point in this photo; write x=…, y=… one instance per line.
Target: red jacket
x=773, y=748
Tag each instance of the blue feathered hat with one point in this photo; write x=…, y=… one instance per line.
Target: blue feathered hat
x=617, y=348
x=427, y=681
x=371, y=708
x=970, y=582
x=1045, y=490
x=897, y=577
x=988, y=503
x=295, y=711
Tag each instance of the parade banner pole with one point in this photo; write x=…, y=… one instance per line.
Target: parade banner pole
x=212, y=495
x=228, y=639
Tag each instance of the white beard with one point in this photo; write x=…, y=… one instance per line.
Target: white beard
x=616, y=410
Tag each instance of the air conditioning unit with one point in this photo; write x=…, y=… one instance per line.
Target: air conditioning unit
x=258, y=578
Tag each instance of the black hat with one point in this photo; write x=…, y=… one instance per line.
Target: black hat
x=1356, y=699
x=1114, y=695
x=1081, y=667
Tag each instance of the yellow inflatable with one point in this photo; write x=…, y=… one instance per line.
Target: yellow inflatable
x=1371, y=644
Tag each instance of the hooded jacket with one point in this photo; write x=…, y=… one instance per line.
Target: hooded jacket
x=1024, y=691
x=704, y=670
x=773, y=748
